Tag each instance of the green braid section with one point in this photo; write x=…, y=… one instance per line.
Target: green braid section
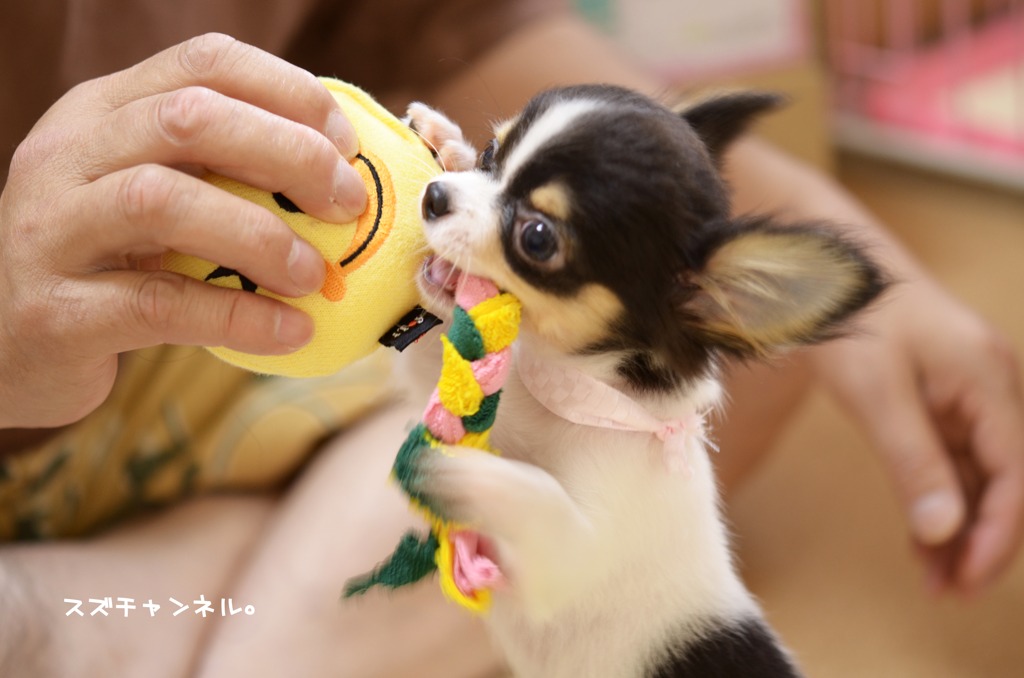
x=404, y=469
x=483, y=419
x=413, y=558
x=411, y=561
x=465, y=336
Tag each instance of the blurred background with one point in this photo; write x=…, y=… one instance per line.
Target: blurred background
x=917, y=107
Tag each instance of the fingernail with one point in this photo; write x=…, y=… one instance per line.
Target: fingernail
x=294, y=328
x=305, y=267
x=340, y=131
x=349, y=190
x=936, y=517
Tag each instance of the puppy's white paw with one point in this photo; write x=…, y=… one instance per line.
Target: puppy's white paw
x=545, y=543
x=443, y=137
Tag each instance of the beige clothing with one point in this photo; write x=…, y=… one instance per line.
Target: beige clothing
x=178, y=422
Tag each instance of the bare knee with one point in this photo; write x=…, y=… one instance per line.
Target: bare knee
x=24, y=640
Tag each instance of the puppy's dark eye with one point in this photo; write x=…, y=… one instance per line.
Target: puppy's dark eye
x=539, y=242
x=486, y=162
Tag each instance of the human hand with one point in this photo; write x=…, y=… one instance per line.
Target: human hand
x=107, y=181
x=938, y=391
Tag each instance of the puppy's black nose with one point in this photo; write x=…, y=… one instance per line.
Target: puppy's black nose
x=435, y=201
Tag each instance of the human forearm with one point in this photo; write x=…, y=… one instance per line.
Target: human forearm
x=765, y=179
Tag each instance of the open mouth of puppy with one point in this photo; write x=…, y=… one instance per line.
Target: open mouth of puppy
x=443, y=285
x=439, y=280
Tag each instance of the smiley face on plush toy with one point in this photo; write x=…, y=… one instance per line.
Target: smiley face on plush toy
x=371, y=262
x=371, y=230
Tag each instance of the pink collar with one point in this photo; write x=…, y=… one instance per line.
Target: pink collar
x=581, y=399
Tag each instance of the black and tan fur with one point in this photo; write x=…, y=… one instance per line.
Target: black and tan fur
x=605, y=213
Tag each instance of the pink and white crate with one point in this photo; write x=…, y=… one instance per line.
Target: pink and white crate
x=934, y=82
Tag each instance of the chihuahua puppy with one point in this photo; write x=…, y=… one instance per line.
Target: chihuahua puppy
x=605, y=214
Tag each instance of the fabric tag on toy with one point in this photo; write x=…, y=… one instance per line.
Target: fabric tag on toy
x=410, y=328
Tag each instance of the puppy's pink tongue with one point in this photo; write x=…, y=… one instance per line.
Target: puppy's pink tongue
x=472, y=290
x=468, y=290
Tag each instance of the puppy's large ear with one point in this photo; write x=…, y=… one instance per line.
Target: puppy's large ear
x=764, y=286
x=720, y=118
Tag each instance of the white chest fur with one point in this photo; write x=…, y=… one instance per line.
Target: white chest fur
x=652, y=565
x=611, y=559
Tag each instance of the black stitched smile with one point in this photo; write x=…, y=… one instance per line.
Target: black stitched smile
x=288, y=206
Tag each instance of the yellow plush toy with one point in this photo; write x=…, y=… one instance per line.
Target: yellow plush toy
x=371, y=263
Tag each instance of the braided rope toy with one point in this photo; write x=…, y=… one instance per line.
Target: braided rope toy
x=475, y=364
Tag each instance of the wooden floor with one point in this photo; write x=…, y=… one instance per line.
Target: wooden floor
x=820, y=536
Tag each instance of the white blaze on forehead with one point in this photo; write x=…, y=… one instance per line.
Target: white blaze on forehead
x=550, y=124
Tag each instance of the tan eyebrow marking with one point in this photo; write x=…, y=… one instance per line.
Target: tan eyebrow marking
x=552, y=199
x=502, y=129
x=573, y=323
